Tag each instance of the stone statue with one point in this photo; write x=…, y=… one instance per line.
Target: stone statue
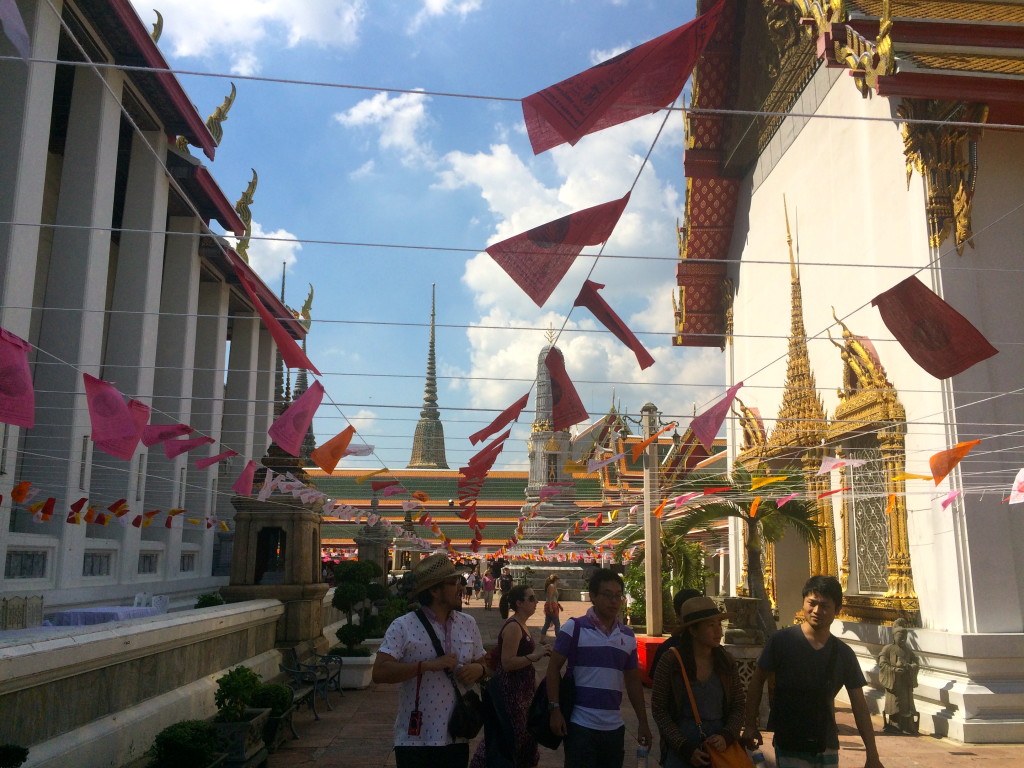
x=897, y=664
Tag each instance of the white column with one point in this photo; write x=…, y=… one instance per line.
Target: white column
x=240, y=391
x=264, y=404
x=71, y=328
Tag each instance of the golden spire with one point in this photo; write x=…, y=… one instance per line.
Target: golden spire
x=158, y=27
x=242, y=209
x=802, y=414
x=220, y=114
x=428, y=440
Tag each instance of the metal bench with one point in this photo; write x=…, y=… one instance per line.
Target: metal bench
x=303, y=683
x=331, y=662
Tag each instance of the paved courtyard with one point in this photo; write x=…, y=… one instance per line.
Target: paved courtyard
x=357, y=733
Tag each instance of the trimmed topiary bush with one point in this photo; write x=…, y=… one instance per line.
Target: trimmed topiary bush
x=209, y=600
x=190, y=742
x=235, y=691
x=277, y=697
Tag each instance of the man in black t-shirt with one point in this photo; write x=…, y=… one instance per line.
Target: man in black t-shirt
x=810, y=666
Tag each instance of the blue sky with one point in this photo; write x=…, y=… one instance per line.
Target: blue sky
x=436, y=173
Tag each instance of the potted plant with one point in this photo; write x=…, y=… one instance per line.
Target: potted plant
x=190, y=742
x=209, y=599
x=355, y=588
x=238, y=723
x=12, y=755
x=277, y=697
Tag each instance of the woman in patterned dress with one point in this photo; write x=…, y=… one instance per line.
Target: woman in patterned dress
x=515, y=655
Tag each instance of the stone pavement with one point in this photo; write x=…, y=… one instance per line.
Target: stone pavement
x=358, y=732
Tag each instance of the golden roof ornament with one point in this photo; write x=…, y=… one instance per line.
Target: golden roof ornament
x=158, y=27
x=220, y=114
x=242, y=209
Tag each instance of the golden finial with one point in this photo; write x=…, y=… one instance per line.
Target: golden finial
x=550, y=334
x=304, y=314
x=242, y=208
x=181, y=143
x=789, y=242
x=220, y=114
x=158, y=27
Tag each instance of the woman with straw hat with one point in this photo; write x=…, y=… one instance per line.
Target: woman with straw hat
x=714, y=680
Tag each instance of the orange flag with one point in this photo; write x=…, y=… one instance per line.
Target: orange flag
x=892, y=503
x=754, y=505
x=660, y=509
x=942, y=463
x=329, y=454
x=641, y=447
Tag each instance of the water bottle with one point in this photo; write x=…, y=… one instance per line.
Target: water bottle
x=757, y=758
x=641, y=756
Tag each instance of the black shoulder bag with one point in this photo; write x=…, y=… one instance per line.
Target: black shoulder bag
x=538, y=716
x=467, y=719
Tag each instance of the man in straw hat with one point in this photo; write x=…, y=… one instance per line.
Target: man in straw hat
x=810, y=666
x=407, y=656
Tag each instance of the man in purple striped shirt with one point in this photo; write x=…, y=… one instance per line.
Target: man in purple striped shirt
x=606, y=663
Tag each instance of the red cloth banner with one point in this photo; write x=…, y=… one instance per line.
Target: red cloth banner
x=380, y=485
x=157, y=433
x=936, y=336
x=291, y=352
x=538, y=259
x=328, y=455
x=505, y=418
x=638, y=82
x=942, y=463
x=124, y=447
x=108, y=412
x=485, y=457
x=17, y=398
x=566, y=407
x=243, y=484
x=173, y=448
x=592, y=300
x=705, y=426
x=211, y=460
x=291, y=426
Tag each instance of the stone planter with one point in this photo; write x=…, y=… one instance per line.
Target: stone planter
x=274, y=732
x=243, y=741
x=357, y=671
x=373, y=643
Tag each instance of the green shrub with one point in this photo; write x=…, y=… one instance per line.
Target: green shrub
x=361, y=650
x=190, y=742
x=235, y=690
x=374, y=626
x=347, y=595
x=376, y=592
x=209, y=599
x=275, y=696
x=351, y=635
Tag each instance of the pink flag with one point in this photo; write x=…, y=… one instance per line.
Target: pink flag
x=17, y=398
x=211, y=460
x=780, y=501
x=592, y=300
x=634, y=83
x=359, y=450
x=174, y=448
x=243, y=485
x=566, y=407
x=157, y=433
x=1017, y=491
x=705, y=426
x=291, y=426
x=14, y=27
x=936, y=336
x=505, y=418
x=108, y=412
x=124, y=447
x=393, y=490
x=830, y=463
x=539, y=258
x=595, y=464
x=949, y=498
x=680, y=500
x=291, y=352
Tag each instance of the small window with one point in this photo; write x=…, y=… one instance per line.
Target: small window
x=96, y=564
x=148, y=562
x=25, y=564
x=188, y=562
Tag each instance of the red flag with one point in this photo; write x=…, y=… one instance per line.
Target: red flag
x=19, y=493
x=330, y=453
x=539, y=258
x=243, y=484
x=291, y=352
x=108, y=412
x=174, y=448
x=936, y=336
x=17, y=398
x=380, y=485
x=211, y=460
x=942, y=463
x=705, y=426
x=124, y=447
x=566, y=407
x=157, y=433
x=291, y=426
x=634, y=83
x=484, y=458
x=592, y=300
x=505, y=418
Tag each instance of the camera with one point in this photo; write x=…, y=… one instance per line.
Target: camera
x=415, y=722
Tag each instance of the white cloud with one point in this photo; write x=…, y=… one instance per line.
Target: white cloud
x=597, y=56
x=364, y=171
x=400, y=119
x=267, y=256
x=433, y=9
x=239, y=28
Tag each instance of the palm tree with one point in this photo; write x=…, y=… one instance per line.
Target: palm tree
x=764, y=521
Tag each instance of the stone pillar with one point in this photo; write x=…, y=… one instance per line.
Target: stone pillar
x=264, y=400
x=277, y=556
x=373, y=542
x=240, y=390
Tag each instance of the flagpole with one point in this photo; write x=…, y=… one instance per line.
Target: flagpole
x=652, y=525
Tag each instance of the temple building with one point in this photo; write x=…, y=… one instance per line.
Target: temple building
x=834, y=149
x=107, y=268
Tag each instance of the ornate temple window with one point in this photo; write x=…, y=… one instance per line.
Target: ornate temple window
x=870, y=424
